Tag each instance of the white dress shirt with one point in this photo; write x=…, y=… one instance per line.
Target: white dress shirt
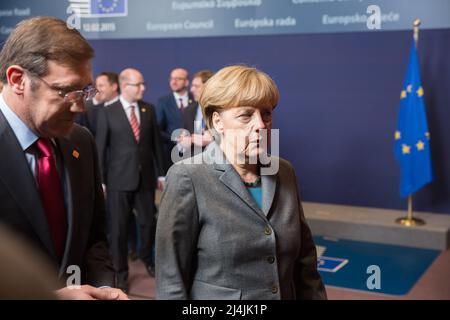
x=126, y=106
x=24, y=135
x=26, y=138
x=184, y=98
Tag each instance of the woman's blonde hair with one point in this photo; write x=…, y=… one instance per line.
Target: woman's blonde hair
x=237, y=86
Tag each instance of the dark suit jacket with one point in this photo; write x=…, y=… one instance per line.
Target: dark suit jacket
x=89, y=118
x=213, y=241
x=22, y=210
x=189, y=117
x=188, y=123
x=124, y=161
x=169, y=116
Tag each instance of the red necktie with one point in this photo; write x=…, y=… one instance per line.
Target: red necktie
x=51, y=192
x=134, y=124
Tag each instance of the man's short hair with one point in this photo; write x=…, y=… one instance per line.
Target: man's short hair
x=38, y=40
x=204, y=75
x=112, y=78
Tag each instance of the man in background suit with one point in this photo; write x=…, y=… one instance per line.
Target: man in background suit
x=170, y=108
x=130, y=155
x=50, y=187
x=107, y=84
x=199, y=136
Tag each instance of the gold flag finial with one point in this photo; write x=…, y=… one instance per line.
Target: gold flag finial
x=416, y=26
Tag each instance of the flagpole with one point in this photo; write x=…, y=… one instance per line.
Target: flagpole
x=409, y=220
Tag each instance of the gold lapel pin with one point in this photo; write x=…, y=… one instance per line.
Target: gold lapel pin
x=143, y=109
x=75, y=154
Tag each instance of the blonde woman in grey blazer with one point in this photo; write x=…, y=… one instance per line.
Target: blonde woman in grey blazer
x=231, y=224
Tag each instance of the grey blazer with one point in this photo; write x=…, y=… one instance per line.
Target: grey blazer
x=214, y=242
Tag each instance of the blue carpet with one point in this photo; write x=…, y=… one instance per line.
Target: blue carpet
x=400, y=267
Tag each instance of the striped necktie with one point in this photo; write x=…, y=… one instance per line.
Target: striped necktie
x=134, y=124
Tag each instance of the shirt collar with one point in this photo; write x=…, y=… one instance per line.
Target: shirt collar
x=178, y=96
x=126, y=104
x=107, y=103
x=24, y=134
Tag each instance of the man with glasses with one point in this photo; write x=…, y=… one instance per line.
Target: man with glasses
x=130, y=155
x=170, y=109
x=50, y=187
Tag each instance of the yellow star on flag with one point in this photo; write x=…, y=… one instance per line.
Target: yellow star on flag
x=409, y=88
x=427, y=134
x=406, y=149
x=420, y=145
x=398, y=135
x=403, y=94
x=420, y=92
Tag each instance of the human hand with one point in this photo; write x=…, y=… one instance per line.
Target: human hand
x=87, y=292
x=185, y=141
x=161, y=183
x=207, y=138
x=197, y=139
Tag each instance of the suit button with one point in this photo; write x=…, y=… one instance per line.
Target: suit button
x=271, y=260
x=267, y=231
x=274, y=289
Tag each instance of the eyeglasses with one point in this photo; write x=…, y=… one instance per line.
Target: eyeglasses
x=177, y=78
x=85, y=94
x=136, y=84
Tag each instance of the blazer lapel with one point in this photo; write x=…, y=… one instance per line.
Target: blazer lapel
x=269, y=185
x=21, y=183
x=144, y=123
x=119, y=113
x=231, y=178
x=72, y=179
x=176, y=114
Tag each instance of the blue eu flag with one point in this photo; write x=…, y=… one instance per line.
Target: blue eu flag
x=108, y=7
x=412, y=138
